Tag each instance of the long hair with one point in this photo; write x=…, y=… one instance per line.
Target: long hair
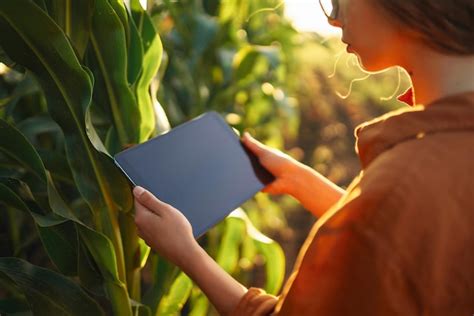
x=444, y=25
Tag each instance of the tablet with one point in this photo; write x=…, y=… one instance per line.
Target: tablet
x=200, y=167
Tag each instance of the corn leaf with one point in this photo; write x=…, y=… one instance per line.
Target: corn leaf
x=229, y=250
x=48, y=292
x=200, y=305
x=269, y=249
x=97, y=244
x=175, y=299
x=135, y=52
x=75, y=19
x=109, y=45
x=61, y=244
x=47, y=53
x=163, y=275
x=152, y=54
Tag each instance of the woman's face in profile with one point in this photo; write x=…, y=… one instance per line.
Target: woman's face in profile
x=370, y=33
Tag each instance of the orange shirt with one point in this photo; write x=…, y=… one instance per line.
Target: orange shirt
x=401, y=239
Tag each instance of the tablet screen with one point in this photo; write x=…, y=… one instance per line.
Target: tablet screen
x=199, y=167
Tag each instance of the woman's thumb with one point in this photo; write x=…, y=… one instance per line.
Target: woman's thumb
x=254, y=145
x=147, y=199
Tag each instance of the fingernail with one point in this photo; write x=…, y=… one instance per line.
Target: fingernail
x=138, y=190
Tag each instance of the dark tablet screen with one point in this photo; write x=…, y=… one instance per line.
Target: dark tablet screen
x=199, y=167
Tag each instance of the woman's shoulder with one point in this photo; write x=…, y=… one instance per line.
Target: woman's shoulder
x=412, y=131
x=428, y=178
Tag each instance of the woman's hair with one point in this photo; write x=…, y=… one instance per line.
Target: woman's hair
x=445, y=25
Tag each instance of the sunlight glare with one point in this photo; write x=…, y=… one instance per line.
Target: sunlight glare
x=307, y=16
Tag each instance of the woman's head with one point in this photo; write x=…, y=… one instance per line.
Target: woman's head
x=444, y=25
x=380, y=31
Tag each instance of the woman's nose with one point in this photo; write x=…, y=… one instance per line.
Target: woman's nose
x=335, y=22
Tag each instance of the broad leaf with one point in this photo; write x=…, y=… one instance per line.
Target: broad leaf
x=271, y=251
x=152, y=54
x=75, y=18
x=110, y=49
x=47, y=53
x=229, y=250
x=14, y=144
x=174, y=300
x=48, y=292
x=61, y=243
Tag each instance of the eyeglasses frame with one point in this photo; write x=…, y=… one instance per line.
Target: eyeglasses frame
x=335, y=10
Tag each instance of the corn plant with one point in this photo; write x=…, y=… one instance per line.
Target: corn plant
x=76, y=87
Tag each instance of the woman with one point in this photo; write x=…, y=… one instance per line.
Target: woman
x=400, y=239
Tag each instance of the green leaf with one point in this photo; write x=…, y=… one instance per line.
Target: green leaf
x=16, y=194
x=140, y=309
x=163, y=274
x=144, y=252
x=97, y=244
x=109, y=45
x=15, y=144
x=135, y=52
x=133, y=256
x=55, y=233
x=36, y=125
x=14, y=306
x=152, y=54
x=200, y=305
x=229, y=250
x=48, y=292
x=88, y=273
x=174, y=300
x=60, y=242
x=75, y=19
x=56, y=163
x=271, y=251
x=121, y=12
x=27, y=86
x=49, y=55
x=246, y=59
x=274, y=265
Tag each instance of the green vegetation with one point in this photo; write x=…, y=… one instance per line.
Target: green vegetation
x=78, y=84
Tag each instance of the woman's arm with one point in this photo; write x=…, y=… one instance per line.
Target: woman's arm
x=315, y=192
x=222, y=290
x=167, y=231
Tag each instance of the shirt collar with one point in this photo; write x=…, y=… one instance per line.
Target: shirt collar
x=452, y=113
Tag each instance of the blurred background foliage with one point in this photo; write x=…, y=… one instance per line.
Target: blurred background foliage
x=299, y=92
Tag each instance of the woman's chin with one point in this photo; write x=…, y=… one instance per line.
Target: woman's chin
x=370, y=67
x=366, y=63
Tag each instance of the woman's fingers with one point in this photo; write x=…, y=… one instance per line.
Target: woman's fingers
x=255, y=146
x=143, y=216
x=148, y=200
x=276, y=187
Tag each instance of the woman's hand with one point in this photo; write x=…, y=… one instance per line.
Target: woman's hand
x=315, y=192
x=167, y=231
x=164, y=228
x=283, y=167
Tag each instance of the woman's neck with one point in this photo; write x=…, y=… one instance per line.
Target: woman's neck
x=435, y=75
